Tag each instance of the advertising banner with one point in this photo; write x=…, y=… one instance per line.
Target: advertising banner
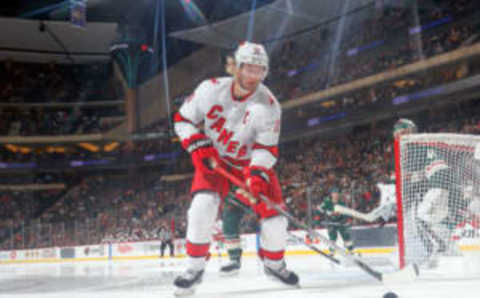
x=371, y=236
x=91, y=251
x=179, y=245
x=48, y=253
x=4, y=255
x=127, y=249
x=30, y=254
x=467, y=235
x=367, y=239
x=67, y=252
x=151, y=248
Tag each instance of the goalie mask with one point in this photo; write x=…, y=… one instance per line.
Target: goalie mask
x=252, y=53
x=404, y=126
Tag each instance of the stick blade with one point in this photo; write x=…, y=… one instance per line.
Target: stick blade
x=406, y=275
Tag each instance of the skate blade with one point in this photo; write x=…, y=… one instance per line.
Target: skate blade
x=182, y=292
x=276, y=280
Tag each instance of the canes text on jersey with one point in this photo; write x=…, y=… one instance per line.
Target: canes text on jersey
x=224, y=135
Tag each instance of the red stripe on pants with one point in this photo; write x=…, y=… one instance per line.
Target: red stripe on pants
x=271, y=255
x=197, y=250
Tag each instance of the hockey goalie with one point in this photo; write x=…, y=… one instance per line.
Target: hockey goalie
x=438, y=195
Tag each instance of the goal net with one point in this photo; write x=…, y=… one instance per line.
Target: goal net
x=438, y=196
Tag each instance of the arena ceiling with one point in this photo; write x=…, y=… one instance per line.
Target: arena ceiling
x=47, y=41
x=222, y=23
x=139, y=13
x=276, y=21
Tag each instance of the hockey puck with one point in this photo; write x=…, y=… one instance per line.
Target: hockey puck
x=390, y=295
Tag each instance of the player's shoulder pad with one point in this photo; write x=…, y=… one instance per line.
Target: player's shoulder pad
x=267, y=96
x=267, y=101
x=217, y=81
x=211, y=85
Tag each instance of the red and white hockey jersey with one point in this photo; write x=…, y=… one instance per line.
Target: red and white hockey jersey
x=245, y=132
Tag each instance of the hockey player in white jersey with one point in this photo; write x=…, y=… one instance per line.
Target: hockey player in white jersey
x=385, y=210
x=387, y=205
x=241, y=128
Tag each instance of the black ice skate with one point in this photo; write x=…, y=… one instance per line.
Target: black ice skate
x=283, y=274
x=186, y=282
x=231, y=268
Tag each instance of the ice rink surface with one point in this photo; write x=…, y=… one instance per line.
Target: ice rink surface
x=153, y=278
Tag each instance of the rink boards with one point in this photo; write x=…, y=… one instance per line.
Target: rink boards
x=368, y=240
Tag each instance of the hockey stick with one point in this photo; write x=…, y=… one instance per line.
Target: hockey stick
x=334, y=224
x=316, y=249
x=299, y=239
x=406, y=274
x=353, y=213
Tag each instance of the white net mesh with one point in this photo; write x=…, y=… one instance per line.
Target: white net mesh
x=439, y=194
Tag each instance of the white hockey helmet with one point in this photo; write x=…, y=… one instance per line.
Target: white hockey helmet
x=251, y=53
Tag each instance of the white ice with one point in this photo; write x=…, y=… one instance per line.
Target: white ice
x=153, y=278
